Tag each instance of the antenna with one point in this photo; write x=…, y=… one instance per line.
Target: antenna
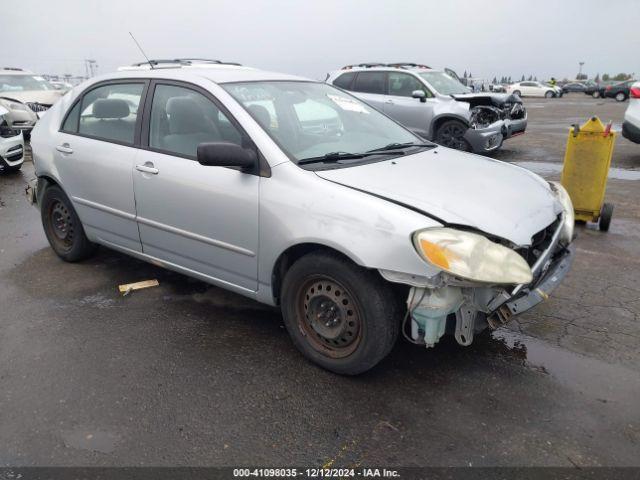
x=144, y=54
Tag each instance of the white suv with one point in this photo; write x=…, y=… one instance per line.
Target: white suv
x=631, y=124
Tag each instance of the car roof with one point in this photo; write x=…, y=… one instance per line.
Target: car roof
x=218, y=73
x=14, y=71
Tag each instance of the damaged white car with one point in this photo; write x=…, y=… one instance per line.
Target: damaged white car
x=435, y=104
x=295, y=193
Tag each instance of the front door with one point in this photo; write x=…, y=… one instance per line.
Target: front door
x=200, y=218
x=402, y=107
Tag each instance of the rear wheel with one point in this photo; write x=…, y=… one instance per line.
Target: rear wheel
x=62, y=226
x=451, y=134
x=620, y=97
x=517, y=92
x=606, y=214
x=596, y=94
x=340, y=316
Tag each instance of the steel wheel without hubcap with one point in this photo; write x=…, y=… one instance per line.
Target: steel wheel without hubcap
x=451, y=134
x=329, y=317
x=61, y=225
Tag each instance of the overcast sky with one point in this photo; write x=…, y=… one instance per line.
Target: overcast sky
x=310, y=37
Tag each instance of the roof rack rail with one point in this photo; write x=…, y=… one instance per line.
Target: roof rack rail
x=183, y=62
x=364, y=65
x=407, y=65
x=13, y=69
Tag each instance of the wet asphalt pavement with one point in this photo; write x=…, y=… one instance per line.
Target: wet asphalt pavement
x=188, y=374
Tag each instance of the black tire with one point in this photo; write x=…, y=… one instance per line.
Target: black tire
x=340, y=316
x=451, y=134
x=606, y=213
x=549, y=94
x=517, y=92
x=620, y=97
x=63, y=227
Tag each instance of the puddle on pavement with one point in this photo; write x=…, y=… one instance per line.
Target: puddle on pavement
x=605, y=382
x=97, y=441
x=547, y=168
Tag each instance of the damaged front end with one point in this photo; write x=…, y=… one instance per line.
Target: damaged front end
x=462, y=300
x=493, y=119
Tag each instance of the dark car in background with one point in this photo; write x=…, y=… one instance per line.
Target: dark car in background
x=573, y=87
x=619, y=91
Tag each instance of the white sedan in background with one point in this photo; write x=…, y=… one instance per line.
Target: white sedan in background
x=631, y=124
x=532, y=89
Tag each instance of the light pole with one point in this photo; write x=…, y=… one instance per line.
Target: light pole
x=580, y=70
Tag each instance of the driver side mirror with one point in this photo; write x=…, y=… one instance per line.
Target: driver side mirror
x=226, y=154
x=419, y=94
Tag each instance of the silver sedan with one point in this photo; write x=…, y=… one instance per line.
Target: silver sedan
x=297, y=194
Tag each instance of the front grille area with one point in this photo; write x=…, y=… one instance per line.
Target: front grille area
x=540, y=242
x=38, y=107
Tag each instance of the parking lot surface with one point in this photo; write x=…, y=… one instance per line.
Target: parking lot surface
x=188, y=374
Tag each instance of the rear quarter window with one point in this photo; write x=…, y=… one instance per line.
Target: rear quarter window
x=345, y=80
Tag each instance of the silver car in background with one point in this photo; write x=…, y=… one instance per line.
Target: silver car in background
x=435, y=105
x=295, y=193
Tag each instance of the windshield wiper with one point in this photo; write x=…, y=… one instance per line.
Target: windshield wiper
x=397, y=146
x=337, y=156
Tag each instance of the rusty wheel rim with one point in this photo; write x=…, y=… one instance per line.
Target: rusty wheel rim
x=61, y=225
x=329, y=317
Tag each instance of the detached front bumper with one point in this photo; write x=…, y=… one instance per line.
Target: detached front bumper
x=488, y=139
x=505, y=306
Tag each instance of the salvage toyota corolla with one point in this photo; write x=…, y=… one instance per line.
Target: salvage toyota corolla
x=297, y=194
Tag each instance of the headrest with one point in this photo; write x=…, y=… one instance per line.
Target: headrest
x=110, y=108
x=185, y=116
x=261, y=114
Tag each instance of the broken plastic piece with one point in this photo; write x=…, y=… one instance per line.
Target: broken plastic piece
x=127, y=288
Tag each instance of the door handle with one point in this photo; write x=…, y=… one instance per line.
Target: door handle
x=147, y=168
x=64, y=148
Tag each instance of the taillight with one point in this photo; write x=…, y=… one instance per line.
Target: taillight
x=635, y=92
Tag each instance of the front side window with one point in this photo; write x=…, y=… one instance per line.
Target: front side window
x=309, y=119
x=370, y=82
x=182, y=118
x=21, y=83
x=110, y=112
x=444, y=84
x=403, y=84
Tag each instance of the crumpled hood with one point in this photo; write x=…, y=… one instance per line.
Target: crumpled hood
x=46, y=97
x=459, y=188
x=485, y=98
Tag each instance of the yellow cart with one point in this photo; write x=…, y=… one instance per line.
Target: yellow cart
x=586, y=167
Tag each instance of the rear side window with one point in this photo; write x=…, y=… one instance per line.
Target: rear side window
x=345, y=80
x=370, y=82
x=110, y=112
x=71, y=123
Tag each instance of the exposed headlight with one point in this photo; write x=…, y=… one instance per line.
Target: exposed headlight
x=471, y=256
x=569, y=221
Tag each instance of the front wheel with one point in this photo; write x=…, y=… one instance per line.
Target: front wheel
x=62, y=226
x=620, y=97
x=451, y=134
x=549, y=94
x=340, y=316
x=595, y=94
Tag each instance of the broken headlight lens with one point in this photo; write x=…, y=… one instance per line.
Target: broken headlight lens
x=569, y=220
x=471, y=256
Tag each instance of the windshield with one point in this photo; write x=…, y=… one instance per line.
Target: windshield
x=311, y=120
x=18, y=83
x=444, y=84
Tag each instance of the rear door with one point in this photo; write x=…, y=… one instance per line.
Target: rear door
x=371, y=87
x=402, y=107
x=95, y=152
x=203, y=219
